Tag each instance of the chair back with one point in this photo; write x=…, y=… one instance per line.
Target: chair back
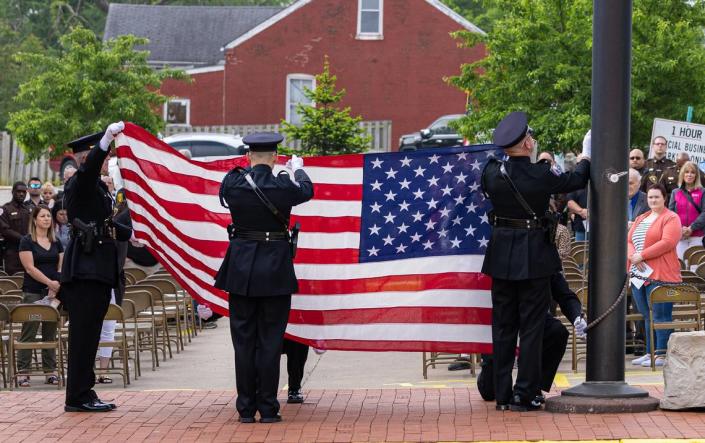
x=696, y=257
x=688, y=252
x=10, y=300
x=18, y=279
x=114, y=313
x=141, y=299
x=675, y=294
x=7, y=285
x=4, y=315
x=129, y=310
x=136, y=273
x=165, y=286
x=31, y=312
x=153, y=290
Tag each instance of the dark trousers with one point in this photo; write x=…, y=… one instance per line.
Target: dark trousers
x=12, y=261
x=518, y=308
x=296, y=355
x=87, y=302
x=257, y=326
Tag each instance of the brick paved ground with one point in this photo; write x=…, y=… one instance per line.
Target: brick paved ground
x=327, y=415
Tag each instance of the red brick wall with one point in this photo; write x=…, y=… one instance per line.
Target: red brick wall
x=206, y=94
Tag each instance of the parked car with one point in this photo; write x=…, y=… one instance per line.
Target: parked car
x=437, y=134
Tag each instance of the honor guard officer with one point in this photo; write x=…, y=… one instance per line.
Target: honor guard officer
x=258, y=270
x=659, y=169
x=521, y=256
x=90, y=269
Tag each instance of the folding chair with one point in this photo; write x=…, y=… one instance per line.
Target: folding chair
x=7, y=285
x=117, y=314
x=4, y=339
x=136, y=273
x=145, y=323
x=686, y=312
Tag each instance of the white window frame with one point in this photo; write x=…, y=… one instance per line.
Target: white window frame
x=291, y=77
x=370, y=35
x=185, y=101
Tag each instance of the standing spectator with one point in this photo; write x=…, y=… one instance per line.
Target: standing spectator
x=687, y=202
x=637, y=199
x=41, y=255
x=681, y=159
x=659, y=169
x=48, y=194
x=68, y=173
x=577, y=207
x=35, y=192
x=108, y=180
x=652, y=241
x=636, y=160
x=14, y=222
x=62, y=229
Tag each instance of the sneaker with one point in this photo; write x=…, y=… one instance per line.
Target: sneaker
x=658, y=362
x=642, y=359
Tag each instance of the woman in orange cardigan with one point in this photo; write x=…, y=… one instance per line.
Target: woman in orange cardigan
x=652, y=240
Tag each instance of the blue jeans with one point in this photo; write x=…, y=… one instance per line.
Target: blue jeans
x=663, y=312
x=580, y=236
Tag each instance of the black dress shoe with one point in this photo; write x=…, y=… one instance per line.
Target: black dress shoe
x=112, y=406
x=458, y=366
x=246, y=419
x=276, y=419
x=295, y=397
x=539, y=399
x=517, y=405
x=502, y=407
x=90, y=406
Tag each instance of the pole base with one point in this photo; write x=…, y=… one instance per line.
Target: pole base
x=602, y=398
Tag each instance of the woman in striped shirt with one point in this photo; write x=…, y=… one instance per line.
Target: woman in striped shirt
x=652, y=241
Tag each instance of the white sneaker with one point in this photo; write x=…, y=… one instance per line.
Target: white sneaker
x=642, y=359
x=658, y=362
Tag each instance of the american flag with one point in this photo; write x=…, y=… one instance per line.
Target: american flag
x=389, y=254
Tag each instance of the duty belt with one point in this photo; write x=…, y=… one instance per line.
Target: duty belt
x=261, y=235
x=517, y=223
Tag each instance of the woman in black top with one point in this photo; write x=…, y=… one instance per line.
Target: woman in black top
x=41, y=254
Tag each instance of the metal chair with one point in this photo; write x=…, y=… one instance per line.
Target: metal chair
x=686, y=312
x=117, y=313
x=4, y=339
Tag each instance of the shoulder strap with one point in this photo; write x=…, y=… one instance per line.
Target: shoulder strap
x=221, y=194
x=690, y=199
x=273, y=209
x=516, y=192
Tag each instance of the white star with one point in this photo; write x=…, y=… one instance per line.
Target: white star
x=461, y=177
x=391, y=173
x=459, y=200
x=405, y=184
x=490, y=154
x=462, y=155
x=447, y=167
x=388, y=240
x=434, y=158
x=430, y=225
x=484, y=219
x=474, y=187
x=457, y=220
x=456, y=242
x=432, y=203
x=375, y=207
x=475, y=165
x=433, y=181
x=406, y=161
x=444, y=212
x=376, y=186
x=402, y=228
x=373, y=251
x=418, y=216
x=390, y=195
x=483, y=242
x=470, y=231
x=418, y=194
x=419, y=171
x=446, y=190
x=471, y=207
x=427, y=245
x=374, y=230
x=403, y=206
x=416, y=237
x=442, y=233
x=377, y=163
x=401, y=248
x=389, y=218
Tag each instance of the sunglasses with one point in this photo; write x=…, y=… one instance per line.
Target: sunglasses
x=636, y=158
x=35, y=185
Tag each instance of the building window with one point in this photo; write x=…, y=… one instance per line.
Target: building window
x=369, y=19
x=295, y=87
x=177, y=111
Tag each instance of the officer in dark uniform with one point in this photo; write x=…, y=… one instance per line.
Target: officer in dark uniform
x=555, y=340
x=659, y=169
x=14, y=223
x=89, y=270
x=258, y=271
x=521, y=256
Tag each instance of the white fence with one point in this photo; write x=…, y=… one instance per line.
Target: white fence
x=13, y=167
x=380, y=130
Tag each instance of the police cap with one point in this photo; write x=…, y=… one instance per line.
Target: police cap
x=511, y=130
x=86, y=142
x=263, y=141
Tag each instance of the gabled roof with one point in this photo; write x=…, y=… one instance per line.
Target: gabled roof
x=185, y=35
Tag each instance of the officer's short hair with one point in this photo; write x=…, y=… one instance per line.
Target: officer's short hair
x=17, y=185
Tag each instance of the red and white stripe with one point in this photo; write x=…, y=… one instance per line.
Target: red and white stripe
x=418, y=304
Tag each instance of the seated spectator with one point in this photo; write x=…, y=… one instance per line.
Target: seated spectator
x=48, y=194
x=41, y=255
x=687, y=201
x=637, y=199
x=652, y=241
x=62, y=229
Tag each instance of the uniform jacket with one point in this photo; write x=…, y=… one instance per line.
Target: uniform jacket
x=686, y=211
x=87, y=198
x=659, y=246
x=662, y=171
x=258, y=268
x=521, y=254
x=14, y=223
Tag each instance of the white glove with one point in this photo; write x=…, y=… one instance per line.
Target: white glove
x=296, y=163
x=587, y=144
x=580, y=327
x=110, y=133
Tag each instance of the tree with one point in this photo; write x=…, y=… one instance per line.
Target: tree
x=476, y=11
x=325, y=128
x=540, y=61
x=88, y=85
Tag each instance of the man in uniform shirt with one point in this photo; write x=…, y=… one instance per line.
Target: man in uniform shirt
x=90, y=268
x=14, y=223
x=521, y=256
x=636, y=160
x=659, y=169
x=258, y=270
